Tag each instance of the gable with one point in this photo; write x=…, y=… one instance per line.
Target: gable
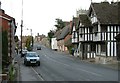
x=105, y=12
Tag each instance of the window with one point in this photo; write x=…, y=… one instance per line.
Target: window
x=74, y=34
x=80, y=35
x=88, y=48
x=93, y=47
x=104, y=29
x=103, y=48
x=90, y=30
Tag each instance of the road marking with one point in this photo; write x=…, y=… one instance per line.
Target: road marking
x=57, y=61
x=38, y=74
x=75, y=68
x=89, y=72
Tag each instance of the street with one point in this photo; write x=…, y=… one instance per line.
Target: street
x=56, y=66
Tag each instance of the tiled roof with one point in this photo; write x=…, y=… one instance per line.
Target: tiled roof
x=75, y=21
x=84, y=20
x=106, y=13
x=64, y=32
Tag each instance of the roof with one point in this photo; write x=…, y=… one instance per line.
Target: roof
x=57, y=33
x=75, y=21
x=106, y=13
x=64, y=32
x=84, y=20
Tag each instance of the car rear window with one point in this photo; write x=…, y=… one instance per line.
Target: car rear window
x=31, y=55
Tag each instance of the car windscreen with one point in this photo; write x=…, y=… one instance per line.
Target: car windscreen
x=31, y=55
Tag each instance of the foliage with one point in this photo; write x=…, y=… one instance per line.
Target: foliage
x=70, y=49
x=16, y=38
x=11, y=73
x=50, y=34
x=60, y=24
x=28, y=42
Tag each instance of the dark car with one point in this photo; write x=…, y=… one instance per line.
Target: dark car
x=38, y=47
x=32, y=58
x=24, y=52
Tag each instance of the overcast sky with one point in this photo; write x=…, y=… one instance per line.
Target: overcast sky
x=40, y=15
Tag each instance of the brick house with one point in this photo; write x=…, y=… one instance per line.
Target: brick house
x=7, y=23
x=61, y=39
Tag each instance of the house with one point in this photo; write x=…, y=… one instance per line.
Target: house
x=68, y=38
x=9, y=27
x=75, y=31
x=54, y=45
x=118, y=46
x=38, y=38
x=106, y=25
x=86, y=46
x=61, y=39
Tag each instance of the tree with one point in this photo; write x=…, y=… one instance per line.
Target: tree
x=50, y=35
x=28, y=43
x=16, y=38
x=60, y=24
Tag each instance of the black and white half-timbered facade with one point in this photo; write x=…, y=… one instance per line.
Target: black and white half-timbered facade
x=75, y=33
x=86, y=44
x=105, y=22
x=97, y=31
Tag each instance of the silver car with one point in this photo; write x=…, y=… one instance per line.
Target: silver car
x=31, y=58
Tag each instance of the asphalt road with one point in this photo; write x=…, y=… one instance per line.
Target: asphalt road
x=56, y=66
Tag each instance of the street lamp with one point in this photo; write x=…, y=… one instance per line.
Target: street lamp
x=21, y=25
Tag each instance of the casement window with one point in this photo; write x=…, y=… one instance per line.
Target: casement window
x=95, y=30
x=81, y=35
x=88, y=48
x=90, y=30
x=104, y=29
x=93, y=47
x=74, y=36
x=103, y=48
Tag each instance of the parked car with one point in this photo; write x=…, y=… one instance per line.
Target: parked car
x=24, y=52
x=32, y=58
x=38, y=47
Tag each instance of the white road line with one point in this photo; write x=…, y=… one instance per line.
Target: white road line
x=75, y=68
x=38, y=74
x=89, y=72
x=57, y=61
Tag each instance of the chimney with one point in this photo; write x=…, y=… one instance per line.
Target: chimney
x=70, y=24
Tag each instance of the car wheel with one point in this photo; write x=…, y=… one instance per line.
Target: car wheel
x=39, y=64
x=25, y=63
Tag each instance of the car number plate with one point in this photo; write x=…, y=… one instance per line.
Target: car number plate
x=33, y=61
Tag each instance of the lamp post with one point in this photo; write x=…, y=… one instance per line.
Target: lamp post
x=21, y=25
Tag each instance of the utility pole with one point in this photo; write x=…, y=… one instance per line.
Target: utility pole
x=21, y=25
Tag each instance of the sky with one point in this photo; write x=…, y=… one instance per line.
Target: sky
x=40, y=15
